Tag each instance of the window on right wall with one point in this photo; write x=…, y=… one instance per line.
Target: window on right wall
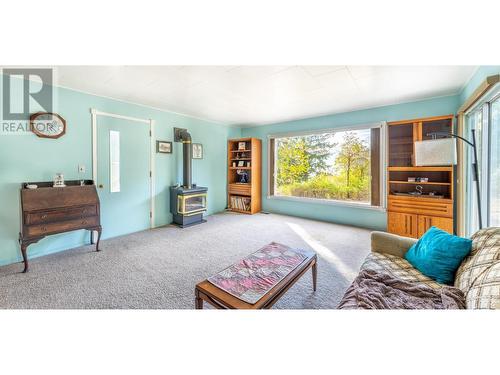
x=485, y=119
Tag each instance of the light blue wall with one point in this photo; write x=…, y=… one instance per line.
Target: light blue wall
x=29, y=158
x=345, y=215
x=479, y=76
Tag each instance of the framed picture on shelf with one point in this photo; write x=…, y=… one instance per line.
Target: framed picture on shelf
x=241, y=163
x=242, y=146
x=164, y=147
x=197, y=151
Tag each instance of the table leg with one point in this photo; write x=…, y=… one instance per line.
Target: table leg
x=99, y=231
x=315, y=274
x=25, y=257
x=198, y=302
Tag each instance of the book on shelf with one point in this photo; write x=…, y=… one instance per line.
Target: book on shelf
x=240, y=203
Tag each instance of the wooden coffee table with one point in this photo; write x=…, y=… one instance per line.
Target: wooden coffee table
x=206, y=291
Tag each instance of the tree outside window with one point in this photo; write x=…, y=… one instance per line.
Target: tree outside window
x=332, y=166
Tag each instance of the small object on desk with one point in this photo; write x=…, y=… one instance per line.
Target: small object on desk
x=411, y=179
x=59, y=180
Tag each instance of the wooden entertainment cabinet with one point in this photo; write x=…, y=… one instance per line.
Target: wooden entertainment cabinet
x=408, y=213
x=244, y=197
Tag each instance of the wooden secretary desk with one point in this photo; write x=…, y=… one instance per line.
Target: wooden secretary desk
x=417, y=197
x=50, y=210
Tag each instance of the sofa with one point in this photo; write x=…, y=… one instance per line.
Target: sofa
x=478, y=276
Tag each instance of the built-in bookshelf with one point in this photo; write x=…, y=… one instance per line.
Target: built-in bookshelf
x=244, y=175
x=417, y=197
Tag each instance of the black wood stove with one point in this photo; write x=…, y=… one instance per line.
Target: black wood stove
x=187, y=202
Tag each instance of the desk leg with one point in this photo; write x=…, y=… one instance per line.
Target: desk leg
x=198, y=302
x=99, y=232
x=315, y=274
x=25, y=256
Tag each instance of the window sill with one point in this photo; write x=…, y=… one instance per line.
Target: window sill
x=328, y=202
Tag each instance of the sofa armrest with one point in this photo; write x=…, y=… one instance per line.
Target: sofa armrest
x=393, y=244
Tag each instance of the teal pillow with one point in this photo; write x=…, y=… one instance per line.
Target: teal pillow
x=438, y=254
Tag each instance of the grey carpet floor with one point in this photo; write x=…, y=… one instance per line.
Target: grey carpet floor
x=158, y=269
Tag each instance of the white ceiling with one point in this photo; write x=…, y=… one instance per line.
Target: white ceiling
x=257, y=95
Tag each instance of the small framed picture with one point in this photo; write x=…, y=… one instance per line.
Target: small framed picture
x=164, y=147
x=241, y=163
x=197, y=151
x=242, y=145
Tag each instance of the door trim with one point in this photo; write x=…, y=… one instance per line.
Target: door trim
x=94, y=113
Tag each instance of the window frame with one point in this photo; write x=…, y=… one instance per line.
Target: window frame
x=483, y=105
x=272, y=155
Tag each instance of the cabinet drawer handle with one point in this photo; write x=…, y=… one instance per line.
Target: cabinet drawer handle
x=84, y=222
x=44, y=229
x=44, y=216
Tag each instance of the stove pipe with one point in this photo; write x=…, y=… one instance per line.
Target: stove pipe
x=186, y=159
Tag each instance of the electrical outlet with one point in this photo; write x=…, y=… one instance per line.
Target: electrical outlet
x=81, y=168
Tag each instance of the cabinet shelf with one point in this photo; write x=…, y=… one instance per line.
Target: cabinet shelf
x=420, y=183
x=420, y=169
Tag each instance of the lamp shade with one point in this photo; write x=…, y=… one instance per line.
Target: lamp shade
x=436, y=152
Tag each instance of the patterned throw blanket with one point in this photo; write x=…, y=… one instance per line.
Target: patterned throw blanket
x=374, y=290
x=251, y=278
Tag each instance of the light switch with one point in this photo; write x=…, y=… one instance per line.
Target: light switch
x=81, y=168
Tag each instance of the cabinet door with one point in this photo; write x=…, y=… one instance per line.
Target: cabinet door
x=401, y=138
x=440, y=125
x=425, y=222
x=402, y=224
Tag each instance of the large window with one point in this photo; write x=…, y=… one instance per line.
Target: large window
x=333, y=165
x=485, y=119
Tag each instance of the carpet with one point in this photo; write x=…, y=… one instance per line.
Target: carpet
x=158, y=269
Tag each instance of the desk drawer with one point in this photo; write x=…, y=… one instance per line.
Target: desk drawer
x=60, y=215
x=62, y=226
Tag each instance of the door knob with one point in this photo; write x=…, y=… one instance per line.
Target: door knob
x=101, y=186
